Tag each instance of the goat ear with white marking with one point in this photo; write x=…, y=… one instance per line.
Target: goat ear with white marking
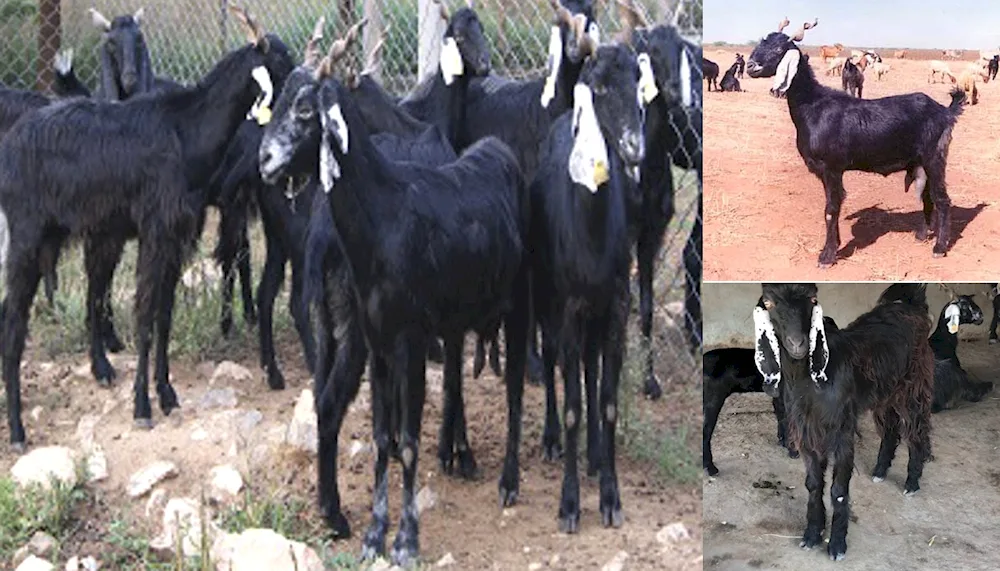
x=819, y=350
x=953, y=315
x=766, y=355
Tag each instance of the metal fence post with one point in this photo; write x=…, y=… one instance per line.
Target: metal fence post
x=49, y=32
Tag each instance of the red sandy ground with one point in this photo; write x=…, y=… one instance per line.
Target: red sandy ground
x=764, y=210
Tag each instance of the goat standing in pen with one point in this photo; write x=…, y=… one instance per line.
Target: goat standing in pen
x=951, y=381
x=110, y=170
x=400, y=229
x=838, y=133
x=829, y=377
x=580, y=265
x=726, y=372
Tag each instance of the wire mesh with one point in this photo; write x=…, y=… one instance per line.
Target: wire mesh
x=186, y=37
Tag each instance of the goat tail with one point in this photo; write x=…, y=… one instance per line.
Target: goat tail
x=908, y=293
x=957, y=97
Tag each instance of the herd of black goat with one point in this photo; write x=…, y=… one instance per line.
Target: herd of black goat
x=474, y=203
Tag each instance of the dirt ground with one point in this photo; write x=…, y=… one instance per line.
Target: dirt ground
x=764, y=210
x=944, y=526
x=466, y=522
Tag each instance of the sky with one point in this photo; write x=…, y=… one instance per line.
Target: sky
x=968, y=24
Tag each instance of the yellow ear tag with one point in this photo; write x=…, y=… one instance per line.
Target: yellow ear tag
x=600, y=173
x=263, y=116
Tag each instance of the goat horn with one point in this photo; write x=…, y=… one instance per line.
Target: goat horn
x=371, y=61
x=563, y=15
x=138, y=16
x=99, y=20
x=801, y=34
x=339, y=48
x=783, y=24
x=255, y=34
x=311, y=54
x=443, y=9
x=631, y=19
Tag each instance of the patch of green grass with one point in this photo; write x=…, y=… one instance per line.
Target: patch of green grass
x=25, y=511
x=290, y=516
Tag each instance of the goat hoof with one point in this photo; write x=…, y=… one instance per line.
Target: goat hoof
x=113, y=343
x=405, y=551
x=275, y=380
x=809, y=543
x=508, y=495
x=939, y=254
x=910, y=492
x=144, y=423
x=837, y=550
x=569, y=523
x=711, y=469
x=467, y=468
x=652, y=389
x=878, y=479
x=612, y=517
x=994, y=341
x=824, y=265
x=373, y=546
x=17, y=448
x=168, y=399
x=103, y=372
x=793, y=453
x=551, y=452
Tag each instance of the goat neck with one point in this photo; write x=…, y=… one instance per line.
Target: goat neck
x=209, y=114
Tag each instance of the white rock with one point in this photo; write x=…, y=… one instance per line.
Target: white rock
x=199, y=434
x=380, y=564
x=73, y=564
x=36, y=413
x=263, y=549
x=554, y=560
x=673, y=533
x=218, y=398
x=226, y=482
x=143, y=481
x=42, y=464
x=445, y=561
x=228, y=371
x=33, y=563
x=85, y=431
x=88, y=563
x=617, y=562
x=97, y=465
x=426, y=499
x=181, y=523
x=357, y=447
x=534, y=566
x=156, y=502
x=82, y=370
x=302, y=432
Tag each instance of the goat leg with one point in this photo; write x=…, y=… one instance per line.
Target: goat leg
x=646, y=249
x=919, y=447
x=164, y=319
x=592, y=345
x=516, y=336
x=779, y=414
x=834, y=186
x=888, y=426
x=614, y=353
x=22, y=282
x=410, y=375
x=374, y=542
x=452, y=437
x=300, y=316
x=840, y=498
x=146, y=293
x=267, y=291
x=551, y=447
x=712, y=401
x=569, y=505
x=815, y=510
x=101, y=253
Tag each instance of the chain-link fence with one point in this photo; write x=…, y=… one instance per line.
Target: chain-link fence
x=186, y=37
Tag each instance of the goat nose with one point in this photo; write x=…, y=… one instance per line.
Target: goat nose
x=129, y=81
x=632, y=147
x=796, y=346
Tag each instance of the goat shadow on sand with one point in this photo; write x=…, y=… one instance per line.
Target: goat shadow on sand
x=873, y=222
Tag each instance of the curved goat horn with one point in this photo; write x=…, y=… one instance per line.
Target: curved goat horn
x=443, y=9
x=801, y=34
x=339, y=48
x=255, y=34
x=311, y=54
x=98, y=19
x=783, y=24
x=631, y=18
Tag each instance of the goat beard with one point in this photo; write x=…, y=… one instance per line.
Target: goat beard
x=786, y=71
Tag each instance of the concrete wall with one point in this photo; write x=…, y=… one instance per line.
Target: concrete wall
x=728, y=307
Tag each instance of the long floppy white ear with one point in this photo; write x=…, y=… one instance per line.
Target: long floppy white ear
x=953, y=315
x=588, y=160
x=787, y=69
x=819, y=351
x=329, y=168
x=766, y=354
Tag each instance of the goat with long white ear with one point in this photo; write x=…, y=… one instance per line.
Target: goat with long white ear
x=951, y=381
x=829, y=376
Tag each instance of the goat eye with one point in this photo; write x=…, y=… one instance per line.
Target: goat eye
x=814, y=300
x=768, y=304
x=600, y=90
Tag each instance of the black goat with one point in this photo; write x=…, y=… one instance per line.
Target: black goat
x=66, y=83
x=729, y=81
x=113, y=170
x=400, y=229
x=992, y=66
x=580, y=266
x=829, y=377
x=852, y=79
x=837, y=133
x=742, y=65
x=726, y=372
x=710, y=70
x=951, y=382
x=995, y=293
x=126, y=68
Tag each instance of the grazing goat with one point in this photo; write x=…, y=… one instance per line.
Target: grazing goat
x=580, y=266
x=951, y=382
x=968, y=81
x=114, y=170
x=829, y=377
x=836, y=66
x=880, y=69
x=852, y=79
x=726, y=372
x=400, y=229
x=729, y=81
x=838, y=133
x=126, y=68
x=742, y=63
x=828, y=52
x=710, y=70
x=992, y=66
x=939, y=68
x=899, y=54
